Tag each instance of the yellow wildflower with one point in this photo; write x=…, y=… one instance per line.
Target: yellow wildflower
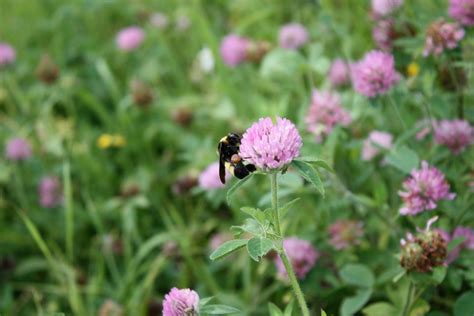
x=413, y=69
x=105, y=141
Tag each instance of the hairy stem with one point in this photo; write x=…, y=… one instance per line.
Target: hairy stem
x=284, y=258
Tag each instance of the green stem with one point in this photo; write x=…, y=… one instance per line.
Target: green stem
x=406, y=308
x=284, y=258
x=395, y=108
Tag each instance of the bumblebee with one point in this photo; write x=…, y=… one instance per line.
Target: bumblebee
x=229, y=158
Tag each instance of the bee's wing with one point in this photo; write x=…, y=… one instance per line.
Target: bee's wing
x=221, y=169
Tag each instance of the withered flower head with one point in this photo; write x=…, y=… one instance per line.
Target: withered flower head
x=47, y=71
x=257, y=50
x=183, y=116
x=141, y=93
x=423, y=252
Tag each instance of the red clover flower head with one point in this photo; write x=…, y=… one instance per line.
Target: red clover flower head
x=7, y=54
x=181, y=302
x=383, y=34
x=209, y=178
x=374, y=143
x=339, y=73
x=462, y=11
x=234, y=49
x=385, y=7
x=50, y=192
x=293, y=36
x=423, y=189
x=18, y=149
x=271, y=146
x=375, y=74
x=302, y=256
x=324, y=113
x=442, y=35
x=455, y=134
x=159, y=20
x=130, y=38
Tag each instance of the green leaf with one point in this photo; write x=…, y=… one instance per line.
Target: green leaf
x=309, y=173
x=316, y=162
x=204, y=301
x=434, y=277
x=323, y=313
x=354, y=303
x=285, y=208
x=289, y=308
x=219, y=309
x=236, y=185
x=258, y=247
x=274, y=310
x=419, y=308
x=403, y=158
x=380, y=308
x=227, y=248
x=358, y=275
x=256, y=213
x=463, y=305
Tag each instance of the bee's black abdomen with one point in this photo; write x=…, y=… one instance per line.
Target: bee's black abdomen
x=251, y=168
x=240, y=171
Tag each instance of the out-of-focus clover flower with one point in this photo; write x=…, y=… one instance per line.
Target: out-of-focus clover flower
x=454, y=134
x=111, y=308
x=413, y=69
x=50, y=192
x=130, y=38
x=205, y=59
x=183, y=116
x=423, y=189
x=142, y=93
x=182, y=23
x=385, y=7
x=107, y=140
x=233, y=49
x=375, y=74
x=324, y=113
x=257, y=50
x=345, y=233
x=462, y=11
x=209, y=178
x=271, y=146
x=442, y=35
x=466, y=233
x=293, y=36
x=384, y=33
x=184, y=184
x=302, y=257
x=7, y=54
x=339, y=74
x=424, y=127
x=374, y=143
x=181, y=302
x=424, y=251
x=18, y=149
x=159, y=20
x=47, y=71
